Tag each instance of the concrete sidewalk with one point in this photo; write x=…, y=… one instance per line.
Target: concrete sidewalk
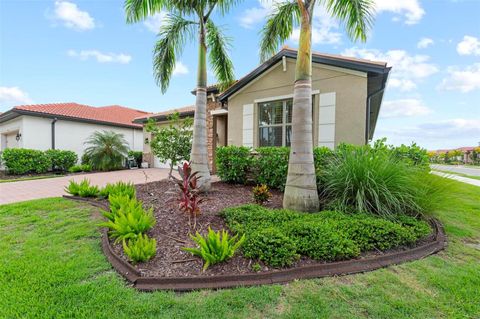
x=462, y=179
x=54, y=187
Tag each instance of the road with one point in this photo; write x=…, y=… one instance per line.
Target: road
x=468, y=170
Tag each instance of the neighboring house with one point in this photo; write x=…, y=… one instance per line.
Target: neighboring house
x=465, y=154
x=66, y=126
x=256, y=110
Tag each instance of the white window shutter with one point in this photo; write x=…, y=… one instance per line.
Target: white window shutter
x=326, y=120
x=248, y=125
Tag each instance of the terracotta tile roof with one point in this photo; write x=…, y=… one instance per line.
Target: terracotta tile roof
x=114, y=114
x=184, y=109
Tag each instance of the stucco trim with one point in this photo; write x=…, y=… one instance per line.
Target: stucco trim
x=280, y=97
x=248, y=123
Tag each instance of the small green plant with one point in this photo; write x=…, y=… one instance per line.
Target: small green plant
x=271, y=246
x=140, y=249
x=119, y=188
x=256, y=267
x=82, y=189
x=129, y=222
x=261, y=194
x=80, y=168
x=121, y=203
x=215, y=247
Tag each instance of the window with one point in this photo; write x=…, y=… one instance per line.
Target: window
x=275, y=123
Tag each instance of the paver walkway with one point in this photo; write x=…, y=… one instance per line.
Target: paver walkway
x=54, y=187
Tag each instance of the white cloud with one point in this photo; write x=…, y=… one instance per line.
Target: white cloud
x=155, y=22
x=404, y=108
x=469, y=46
x=407, y=70
x=180, y=69
x=251, y=16
x=100, y=57
x=424, y=43
x=463, y=80
x=13, y=95
x=410, y=10
x=72, y=16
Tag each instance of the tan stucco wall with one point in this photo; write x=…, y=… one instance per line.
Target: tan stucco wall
x=351, y=94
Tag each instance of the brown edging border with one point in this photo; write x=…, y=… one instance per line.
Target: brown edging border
x=438, y=242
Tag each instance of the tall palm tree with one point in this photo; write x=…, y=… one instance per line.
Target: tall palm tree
x=356, y=15
x=186, y=17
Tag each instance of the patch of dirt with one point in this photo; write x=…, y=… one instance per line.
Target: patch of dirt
x=172, y=231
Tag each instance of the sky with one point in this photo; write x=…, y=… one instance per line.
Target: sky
x=83, y=51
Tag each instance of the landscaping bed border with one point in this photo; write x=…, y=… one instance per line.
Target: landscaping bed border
x=132, y=275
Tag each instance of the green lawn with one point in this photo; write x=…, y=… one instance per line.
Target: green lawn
x=52, y=267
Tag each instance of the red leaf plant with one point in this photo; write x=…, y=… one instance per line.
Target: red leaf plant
x=188, y=193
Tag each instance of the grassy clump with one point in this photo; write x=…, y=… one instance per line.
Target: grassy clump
x=119, y=188
x=277, y=236
x=82, y=189
x=140, y=249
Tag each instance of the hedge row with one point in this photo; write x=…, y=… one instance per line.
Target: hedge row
x=269, y=165
x=24, y=161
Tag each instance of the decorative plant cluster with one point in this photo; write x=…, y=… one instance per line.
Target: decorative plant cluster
x=24, y=161
x=215, y=247
x=82, y=189
x=129, y=222
x=188, y=194
x=119, y=188
x=80, y=168
x=261, y=194
x=280, y=237
x=106, y=150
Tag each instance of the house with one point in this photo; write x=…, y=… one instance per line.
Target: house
x=66, y=126
x=256, y=110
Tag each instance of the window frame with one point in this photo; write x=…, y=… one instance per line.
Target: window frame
x=283, y=125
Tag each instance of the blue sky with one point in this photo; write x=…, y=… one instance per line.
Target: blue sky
x=83, y=51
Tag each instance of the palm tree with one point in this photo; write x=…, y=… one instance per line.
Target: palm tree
x=186, y=17
x=356, y=15
x=106, y=150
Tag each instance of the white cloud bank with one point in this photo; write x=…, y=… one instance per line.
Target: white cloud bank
x=407, y=70
x=100, y=57
x=469, y=46
x=404, y=108
x=155, y=22
x=410, y=10
x=425, y=43
x=72, y=17
x=13, y=95
x=463, y=80
x=180, y=69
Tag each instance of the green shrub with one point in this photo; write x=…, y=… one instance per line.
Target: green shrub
x=82, y=189
x=119, y=188
x=140, y=249
x=62, y=160
x=271, y=166
x=119, y=203
x=23, y=161
x=327, y=235
x=215, y=247
x=130, y=221
x=233, y=163
x=271, y=246
x=106, y=150
x=85, y=160
x=80, y=168
x=320, y=240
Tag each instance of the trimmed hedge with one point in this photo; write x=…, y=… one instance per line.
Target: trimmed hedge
x=62, y=160
x=233, y=163
x=278, y=237
x=20, y=161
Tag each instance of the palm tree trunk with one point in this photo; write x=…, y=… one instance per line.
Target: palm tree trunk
x=301, y=189
x=199, y=154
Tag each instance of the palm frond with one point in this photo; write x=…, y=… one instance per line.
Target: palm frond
x=224, y=5
x=278, y=28
x=138, y=10
x=355, y=15
x=173, y=36
x=106, y=150
x=218, y=44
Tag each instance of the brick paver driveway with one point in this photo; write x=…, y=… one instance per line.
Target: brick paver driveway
x=54, y=187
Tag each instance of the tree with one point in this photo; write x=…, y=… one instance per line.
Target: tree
x=107, y=150
x=356, y=15
x=183, y=20
x=172, y=143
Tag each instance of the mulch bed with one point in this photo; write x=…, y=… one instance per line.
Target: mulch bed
x=172, y=231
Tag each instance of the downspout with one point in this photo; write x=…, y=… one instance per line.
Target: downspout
x=367, y=120
x=53, y=133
